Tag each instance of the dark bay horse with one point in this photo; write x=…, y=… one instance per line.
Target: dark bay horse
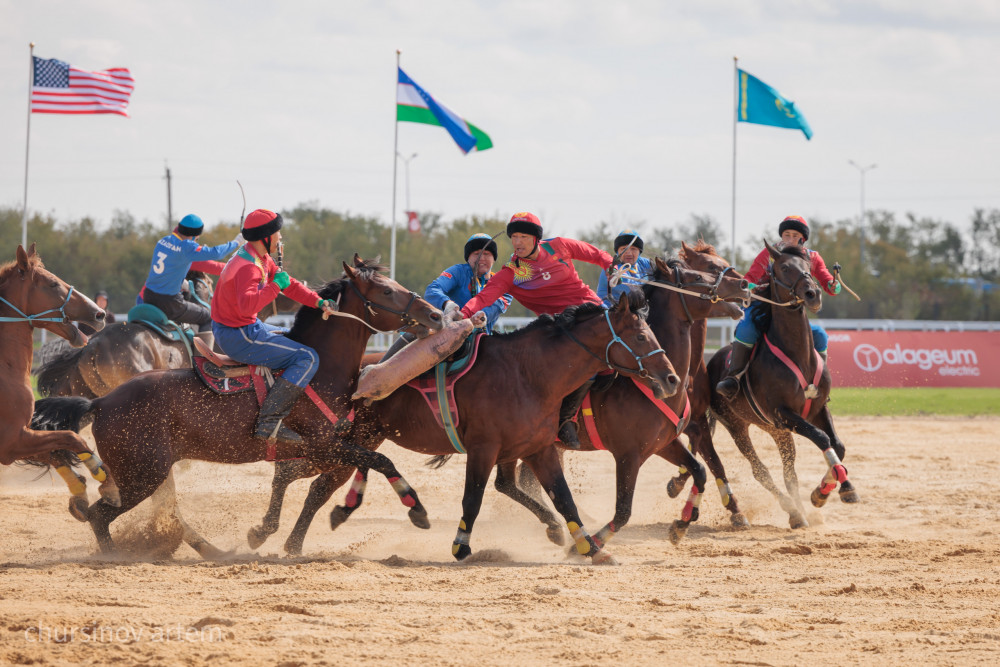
x=508, y=407
x=31, y=296
x=157, y=418
x=780, y=393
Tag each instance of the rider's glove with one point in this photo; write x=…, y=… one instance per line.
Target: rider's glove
x=479, y=320
x=282, y=279
x=240, y=240
x=835, y=286
x=327, y=304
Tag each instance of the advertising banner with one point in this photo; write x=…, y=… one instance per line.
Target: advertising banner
x=915, y=358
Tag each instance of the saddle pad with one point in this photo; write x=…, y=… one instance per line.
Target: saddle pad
x=439, y=390
x=228, y=379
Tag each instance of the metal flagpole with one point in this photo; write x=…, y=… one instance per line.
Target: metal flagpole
x=27, y=146
x=736, y=111
x=395, y=166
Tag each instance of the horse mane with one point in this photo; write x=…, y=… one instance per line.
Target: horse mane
x=305, y=317
x=557, y=324
x=7, y=268
x=55, y=369
x=701, y=247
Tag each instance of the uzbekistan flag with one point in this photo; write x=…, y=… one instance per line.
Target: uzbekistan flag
x=414, y=105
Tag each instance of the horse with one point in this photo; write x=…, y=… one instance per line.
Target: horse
x=27, y=287
x=508, y=405
x=160, y=417
x=785, y=389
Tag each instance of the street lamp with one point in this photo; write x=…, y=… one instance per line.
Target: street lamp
x=406, y=164
x=861, y=225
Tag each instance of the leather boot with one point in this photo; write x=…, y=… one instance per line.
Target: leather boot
x=401, y=342
x=277, y=404
x=570, y=406
x=729, y=386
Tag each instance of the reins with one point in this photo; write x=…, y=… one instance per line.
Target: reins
x=615, y=338
x=37, y=317
x=712, y=295
x=370, y=307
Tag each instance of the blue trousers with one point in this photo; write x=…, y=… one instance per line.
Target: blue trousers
x=265, y=345
x=746, y=331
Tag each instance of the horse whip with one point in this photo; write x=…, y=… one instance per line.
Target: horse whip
x=836, y=276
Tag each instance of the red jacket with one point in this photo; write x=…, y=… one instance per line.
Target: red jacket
x=759, y=274
x=548, y=284
x=246, y=286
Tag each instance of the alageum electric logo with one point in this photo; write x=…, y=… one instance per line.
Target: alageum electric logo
x=950, y=362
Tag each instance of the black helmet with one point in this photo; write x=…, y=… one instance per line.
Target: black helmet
x=796, y=222
x=625, y=237
x=480, y=242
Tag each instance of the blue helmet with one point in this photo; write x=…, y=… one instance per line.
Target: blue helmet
x=625, y=237
x=190, y=225
x=480, y=242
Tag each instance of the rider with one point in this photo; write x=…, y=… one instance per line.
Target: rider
x=172, y=259
x=628, y=248
x=250, y=281
x=794, y=230
x=541, y=276
x=459, y=283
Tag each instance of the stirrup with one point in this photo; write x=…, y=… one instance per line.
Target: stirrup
x=568, y=435
x=728, y=387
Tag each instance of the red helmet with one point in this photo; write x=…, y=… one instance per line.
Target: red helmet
x=796, y=222
x=260, y=224
x=525, y=223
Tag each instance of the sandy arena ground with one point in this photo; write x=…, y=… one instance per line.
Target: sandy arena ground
x=909, y=576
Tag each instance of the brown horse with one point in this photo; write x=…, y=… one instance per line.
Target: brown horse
x=157, y=418
x=508, y=406
x=31, y=296
x=779, y=395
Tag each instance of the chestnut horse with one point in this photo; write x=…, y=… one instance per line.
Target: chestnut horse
x=27, y=287
x=160, y=417
x=508, y=405
x=779, y=392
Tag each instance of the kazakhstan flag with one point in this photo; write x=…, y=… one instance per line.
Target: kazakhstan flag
x=761, y=104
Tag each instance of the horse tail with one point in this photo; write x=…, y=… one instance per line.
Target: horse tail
x=62, y=413
x=437, y=461
x=54, y=370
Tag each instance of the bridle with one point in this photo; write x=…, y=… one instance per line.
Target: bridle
x=795, y=301
x=615, y=338
x=37, y=317
x=370, y=306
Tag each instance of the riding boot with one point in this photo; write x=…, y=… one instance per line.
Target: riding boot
x=729, y=386
x=401, y=342
x=277, y=404
x=570, y=406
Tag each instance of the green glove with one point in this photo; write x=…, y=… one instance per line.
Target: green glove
x=752, y=286
x=835, y=286
x=326, y=303
x=282, y=279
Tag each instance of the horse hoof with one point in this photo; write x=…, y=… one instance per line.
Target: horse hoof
x=849, y=495
x=461, y=551
x=418, y=517
x=677, y=531
x=602, y=557
x=796, y=521
x=739, y=521
x=256, y=537
x=674, y=488
x=109, y=494
x=339, y=515
x=556, y=535
x=817, y=498
x=293, y=548
x=78, y=507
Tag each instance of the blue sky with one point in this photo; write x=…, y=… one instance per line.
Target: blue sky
x=619, y=112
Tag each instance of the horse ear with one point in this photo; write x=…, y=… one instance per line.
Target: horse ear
x=774, y=252
x=685, y=251
x=31, y=249
x=22, y=257
x=661, y=266
x=622, y=304
x=348, y=270
x=358, y=261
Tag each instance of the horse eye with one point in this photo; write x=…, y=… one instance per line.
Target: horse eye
x=641, y=338
x=387, y=291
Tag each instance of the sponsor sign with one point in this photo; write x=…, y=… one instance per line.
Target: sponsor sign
x=915, y=358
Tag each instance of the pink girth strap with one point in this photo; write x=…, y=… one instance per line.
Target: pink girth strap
x=798, y=373
x=260, y=387
x=665, y=409
x=587, y=415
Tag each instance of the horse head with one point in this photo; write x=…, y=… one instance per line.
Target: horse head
x=44, y=300
x=703, y=257
x=714, y=292
x=634, y=350
x=389, y=305
x=791, y=277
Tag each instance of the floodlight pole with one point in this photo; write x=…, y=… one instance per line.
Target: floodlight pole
x=861, y=222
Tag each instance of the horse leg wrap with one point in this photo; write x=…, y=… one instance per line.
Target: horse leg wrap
x=690, y=511
x=462, y=538
x=404, y=491
x=77, y=486
x=584, y=542
x=724, y=491
x=681, y=470
x=357, y=491
x=605, y=534
x=94, y=465
x=837, y=474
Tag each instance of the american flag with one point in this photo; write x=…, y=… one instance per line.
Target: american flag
x=59, y=88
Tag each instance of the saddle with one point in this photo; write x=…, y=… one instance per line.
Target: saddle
x=156, y=320
x=437, y=386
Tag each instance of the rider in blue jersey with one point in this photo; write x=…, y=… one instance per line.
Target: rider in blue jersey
x=640, y=267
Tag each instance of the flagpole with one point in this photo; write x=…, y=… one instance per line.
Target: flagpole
x=27, y=145
x=736, y=111
x=395, y=167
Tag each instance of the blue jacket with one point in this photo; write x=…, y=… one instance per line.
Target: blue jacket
x=457, y=283
x=172, y=257
x=643, y=269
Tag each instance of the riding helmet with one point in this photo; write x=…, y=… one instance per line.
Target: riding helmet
x=190, y=225
x=480, y=242
x=525, y=223
x=796, y=222
x=260, y=224
x=625, y=237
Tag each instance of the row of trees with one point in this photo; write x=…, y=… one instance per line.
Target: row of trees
x=914, y=268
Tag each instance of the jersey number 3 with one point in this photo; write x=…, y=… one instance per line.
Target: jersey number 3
x=159, y=267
